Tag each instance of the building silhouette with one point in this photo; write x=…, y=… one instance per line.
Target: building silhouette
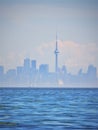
x=33, y=66
x=28, y=75
x=1, y=70
x=56, y=55
x=26, y=66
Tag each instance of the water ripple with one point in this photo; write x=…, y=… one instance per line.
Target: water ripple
x=55, y=109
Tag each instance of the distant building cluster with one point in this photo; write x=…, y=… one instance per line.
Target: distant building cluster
x=29, y=75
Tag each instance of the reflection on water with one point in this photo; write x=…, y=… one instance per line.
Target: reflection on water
x=55, y=109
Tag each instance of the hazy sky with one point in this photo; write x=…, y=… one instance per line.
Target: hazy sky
x=28, y=29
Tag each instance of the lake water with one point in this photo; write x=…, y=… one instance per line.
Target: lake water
x=48, y=109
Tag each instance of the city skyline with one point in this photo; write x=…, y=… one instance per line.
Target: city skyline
x=28, y=28
x=28, y=75
x=28, y=63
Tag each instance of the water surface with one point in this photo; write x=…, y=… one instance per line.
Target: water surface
x=48, y=109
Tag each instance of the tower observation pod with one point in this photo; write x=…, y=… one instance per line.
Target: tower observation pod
x=56, y=55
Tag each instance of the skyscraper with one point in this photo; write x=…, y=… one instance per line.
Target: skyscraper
x=26, y=66
x=1, y=70
x=33, y=65
x=56, y=55
x=27, y=63
x=44, y=69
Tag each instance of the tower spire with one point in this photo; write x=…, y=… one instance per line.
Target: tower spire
x=56, y=54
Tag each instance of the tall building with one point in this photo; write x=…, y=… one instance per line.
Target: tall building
x=44, y=69
x=26, y=66
x=56, y=55
x=1, y=70
x=27, y=63
x=1, y=73
x=92, y=72
x=33, y=65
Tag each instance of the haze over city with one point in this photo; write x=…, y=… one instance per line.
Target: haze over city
x=28, y=30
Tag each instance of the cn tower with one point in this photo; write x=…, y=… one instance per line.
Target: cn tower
x=56, y=55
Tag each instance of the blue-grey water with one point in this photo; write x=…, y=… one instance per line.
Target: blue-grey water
x=48, y=109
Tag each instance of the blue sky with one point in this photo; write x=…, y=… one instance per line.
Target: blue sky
x=28, y=29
